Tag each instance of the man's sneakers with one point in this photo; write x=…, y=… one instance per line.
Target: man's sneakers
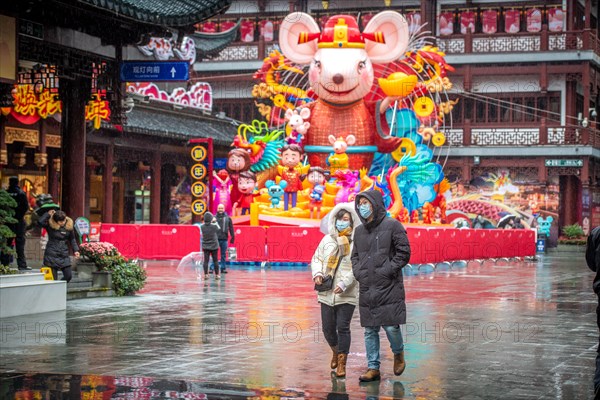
x=24, y=269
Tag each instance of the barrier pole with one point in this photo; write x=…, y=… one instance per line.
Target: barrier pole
x=254, y=214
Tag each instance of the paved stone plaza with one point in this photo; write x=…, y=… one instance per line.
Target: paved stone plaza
x=510, y=330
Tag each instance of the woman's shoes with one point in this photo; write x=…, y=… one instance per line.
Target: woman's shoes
x=205, y=276
x=217, y=276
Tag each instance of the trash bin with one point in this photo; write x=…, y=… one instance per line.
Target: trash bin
x=540, y=246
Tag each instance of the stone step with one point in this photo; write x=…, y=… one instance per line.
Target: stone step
x=88, y=293
x=21, y=277
x=79, y=283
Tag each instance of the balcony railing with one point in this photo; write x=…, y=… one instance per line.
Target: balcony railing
x=519, y=42
x=468, y=135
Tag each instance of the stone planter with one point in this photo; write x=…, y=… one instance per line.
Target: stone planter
x=85, y=270
x=102, y=279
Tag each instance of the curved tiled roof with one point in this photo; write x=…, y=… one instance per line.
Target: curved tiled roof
x=210, y=44
x=169, y=124
x=172, y=13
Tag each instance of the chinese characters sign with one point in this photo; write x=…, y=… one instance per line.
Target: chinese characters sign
x=29, y=106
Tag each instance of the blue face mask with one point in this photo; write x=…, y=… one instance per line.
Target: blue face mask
x=365, y=210
x=341, y=225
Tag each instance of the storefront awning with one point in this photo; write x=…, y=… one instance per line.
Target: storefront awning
x=178, y=126
x=172, y=13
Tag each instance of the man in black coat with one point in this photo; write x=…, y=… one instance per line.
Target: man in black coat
x=226, y=234
x=19, y=228
x=592, y=257
x=380, y=251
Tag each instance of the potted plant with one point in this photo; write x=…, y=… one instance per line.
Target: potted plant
x=572, y=235
x=127, y=276
x=92, y=255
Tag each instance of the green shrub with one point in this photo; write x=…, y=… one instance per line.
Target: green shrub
x=573, y=231
x=7, y=211
x=128, y=277
x=5, y=270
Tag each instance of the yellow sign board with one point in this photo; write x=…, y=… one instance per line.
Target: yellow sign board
x=198, y=153
x=198, y=171
x=198, y=189
x=199, y=207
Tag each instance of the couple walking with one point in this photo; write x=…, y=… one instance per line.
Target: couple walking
x=360, y=262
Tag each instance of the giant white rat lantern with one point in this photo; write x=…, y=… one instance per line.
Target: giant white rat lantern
x=341, y=74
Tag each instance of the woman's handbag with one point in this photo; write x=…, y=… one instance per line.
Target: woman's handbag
x=327, y=283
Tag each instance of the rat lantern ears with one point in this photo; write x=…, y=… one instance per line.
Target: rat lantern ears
x=385, y=37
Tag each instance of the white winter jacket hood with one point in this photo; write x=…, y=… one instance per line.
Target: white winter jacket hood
x=344, y=277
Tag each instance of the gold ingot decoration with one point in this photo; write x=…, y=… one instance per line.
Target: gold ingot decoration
x=387, y=2
x=407, y=146
x=325, y=4
x=19, y=159
x=438, y=139
x=40, y=159
x=3, y=157
x=57, y=164
x=423, y=107
x=398, y=84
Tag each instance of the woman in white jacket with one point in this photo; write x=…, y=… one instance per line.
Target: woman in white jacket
x=332, y=258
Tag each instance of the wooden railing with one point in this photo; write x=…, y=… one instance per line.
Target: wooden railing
x=519, y=42
x=541, y=135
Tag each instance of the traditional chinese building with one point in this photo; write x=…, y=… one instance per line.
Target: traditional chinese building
x=69, y=126
x=526, y=79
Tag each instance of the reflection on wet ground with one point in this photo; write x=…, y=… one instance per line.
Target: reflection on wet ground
x=510, y=330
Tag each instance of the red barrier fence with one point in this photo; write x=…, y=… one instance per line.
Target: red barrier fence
x=292, y=244
x=297, y=244
x=250, y=243
x=159, y=242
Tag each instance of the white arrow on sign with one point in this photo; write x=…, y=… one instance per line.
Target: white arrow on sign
x=173, y=70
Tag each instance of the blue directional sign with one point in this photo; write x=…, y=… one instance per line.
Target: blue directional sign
x=155, y=71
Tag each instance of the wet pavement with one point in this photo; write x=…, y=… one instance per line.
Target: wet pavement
x=508, y=330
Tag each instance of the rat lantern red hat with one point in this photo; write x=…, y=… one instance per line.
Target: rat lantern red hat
x=341, y=31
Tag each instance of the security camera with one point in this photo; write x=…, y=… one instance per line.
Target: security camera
x=593, y=113
x=139, y=97
x=128, y=104
x=585, y=122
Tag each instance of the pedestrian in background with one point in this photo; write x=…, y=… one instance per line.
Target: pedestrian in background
x=226, y=234
x=337, y=289
x=61, y=234
x=19, y=228
x=173, y=215
x=592, y=258
x=381, y=249
x=210, y=243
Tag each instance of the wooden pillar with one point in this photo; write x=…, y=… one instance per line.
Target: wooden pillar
x=543, y=131
x=571, y=98
x=544, y=78
x=54, y=167
x=40, y=157
x=571, y=15
x=155, y=189
x=466, y=170
x=467, y=132
x=585, y=82
x=588, y=15
x=544, y=38
x=542, y=172
x=74, y=95
x=107, y=183
x=3, y=148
